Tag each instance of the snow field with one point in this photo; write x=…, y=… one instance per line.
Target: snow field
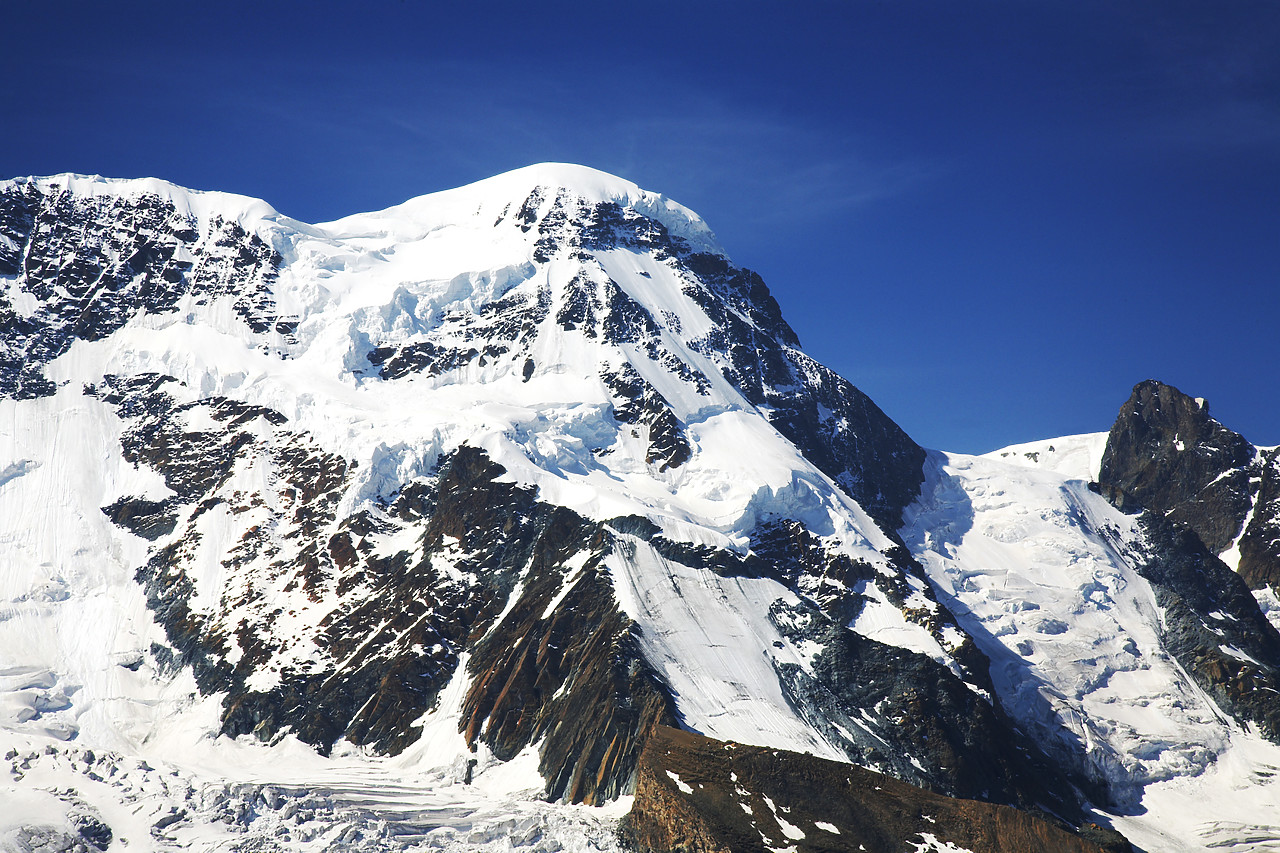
x=712, y=643
x=1033, y=565
x=284, y=798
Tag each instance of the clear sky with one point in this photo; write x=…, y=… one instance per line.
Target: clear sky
x=993, y=217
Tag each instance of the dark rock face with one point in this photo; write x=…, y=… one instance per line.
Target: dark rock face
x=835, y=425
x=1260, y=544
x=561, y=669
x=1196, y=484
x=837, y=585
x=1166, y=454
x=90, y=264
x=1213, y=626
x=789, y=553
x=698, y=794
x=857, y=444
x=906, y=715
x=638, y=403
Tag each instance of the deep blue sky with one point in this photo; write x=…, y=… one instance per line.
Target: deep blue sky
x=993, y=217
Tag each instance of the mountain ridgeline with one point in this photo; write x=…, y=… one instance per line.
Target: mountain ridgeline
x=531, y=468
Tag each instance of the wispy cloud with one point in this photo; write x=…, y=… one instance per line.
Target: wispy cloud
x=1235, y=125
x=770, y=168
x=1209, y=80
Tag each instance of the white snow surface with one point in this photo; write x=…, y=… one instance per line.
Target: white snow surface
x=1033, y=565
x=489, y=197
x=929, y=843
x=1076, y=456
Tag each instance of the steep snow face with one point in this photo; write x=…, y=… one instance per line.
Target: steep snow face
x=1035, y=563
x=1042, y=573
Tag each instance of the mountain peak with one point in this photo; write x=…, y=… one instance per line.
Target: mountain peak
x=583, y=181
x=485, y=201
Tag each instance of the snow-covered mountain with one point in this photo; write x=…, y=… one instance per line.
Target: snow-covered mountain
x=422, y=527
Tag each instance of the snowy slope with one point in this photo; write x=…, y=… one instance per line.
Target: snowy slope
x=1040, y=570
x=1077, y=457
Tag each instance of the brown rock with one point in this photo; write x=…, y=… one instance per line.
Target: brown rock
x=698, y=795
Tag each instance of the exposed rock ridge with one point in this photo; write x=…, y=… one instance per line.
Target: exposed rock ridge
x=835, y=425
x=1165, y=453
x=83, y=266
x=1212, y=624
x=703, y=795
x=1260, y=543
x=640, y=405
x=901, y=713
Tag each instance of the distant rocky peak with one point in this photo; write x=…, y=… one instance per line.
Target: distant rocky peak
x=1165, y=453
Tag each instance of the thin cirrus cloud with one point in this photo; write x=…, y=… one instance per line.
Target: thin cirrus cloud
x=761, y=170
x=1234, y=125
x=450, y=123
x=396, y=127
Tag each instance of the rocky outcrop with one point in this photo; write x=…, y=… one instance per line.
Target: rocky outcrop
x=1260, y=543
x=1198, y=487
x=638, y=404
x=906, y=715
x=835, y=425
x=86, y=265
x=1167, y=455
x=1212, y=625
x=562, y=669
x=700, y=795
x=502, y=330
